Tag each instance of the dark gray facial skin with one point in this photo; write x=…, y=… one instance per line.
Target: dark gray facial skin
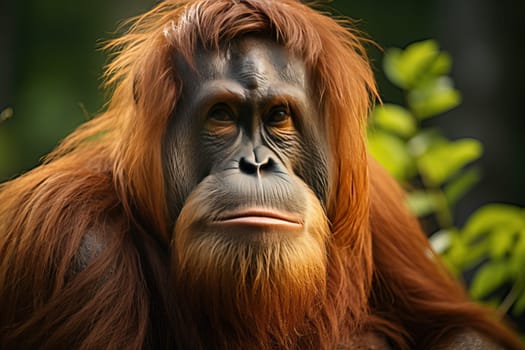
x=245, y=130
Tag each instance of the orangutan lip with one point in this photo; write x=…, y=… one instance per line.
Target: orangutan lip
x=261, y=218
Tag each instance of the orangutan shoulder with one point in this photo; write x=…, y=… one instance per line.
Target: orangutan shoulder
x=91, y=247
x=468, y=339
x=465, y=339
x=105, y=242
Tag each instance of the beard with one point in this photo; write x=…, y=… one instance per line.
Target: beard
x=247, y=289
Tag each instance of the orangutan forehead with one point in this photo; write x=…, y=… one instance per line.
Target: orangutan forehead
x=252, y=60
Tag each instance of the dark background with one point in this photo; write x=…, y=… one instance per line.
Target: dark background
x=50, y=72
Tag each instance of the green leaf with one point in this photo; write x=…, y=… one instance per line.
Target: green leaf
x=443, y=160
x=392, y=69
x=474, y=254
x=455, y=255
x=494, y=216
x=422, y=203
x=394, y=118
x=441, y=241
x=490, y=276
x=517, y=256
x=423, y=140
x=390, y=152
x=501, y=241
x=406, y=67
x=441, y=65
x=462, y=256
x=460, y=185
x=519, y=306
x=433, y=97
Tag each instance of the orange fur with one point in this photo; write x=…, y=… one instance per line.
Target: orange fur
x=107, y=178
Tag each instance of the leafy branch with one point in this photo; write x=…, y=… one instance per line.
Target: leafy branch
x=437, y=172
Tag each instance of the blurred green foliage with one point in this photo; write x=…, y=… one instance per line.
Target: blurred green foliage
x=437, y=172
x=52, y=64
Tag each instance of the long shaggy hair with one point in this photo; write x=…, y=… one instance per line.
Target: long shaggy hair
x=375, y=269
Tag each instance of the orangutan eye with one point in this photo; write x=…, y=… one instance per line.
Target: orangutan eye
x=279, y=116
x=222, y=114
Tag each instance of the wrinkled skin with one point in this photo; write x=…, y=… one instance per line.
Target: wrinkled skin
x=246, y=120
